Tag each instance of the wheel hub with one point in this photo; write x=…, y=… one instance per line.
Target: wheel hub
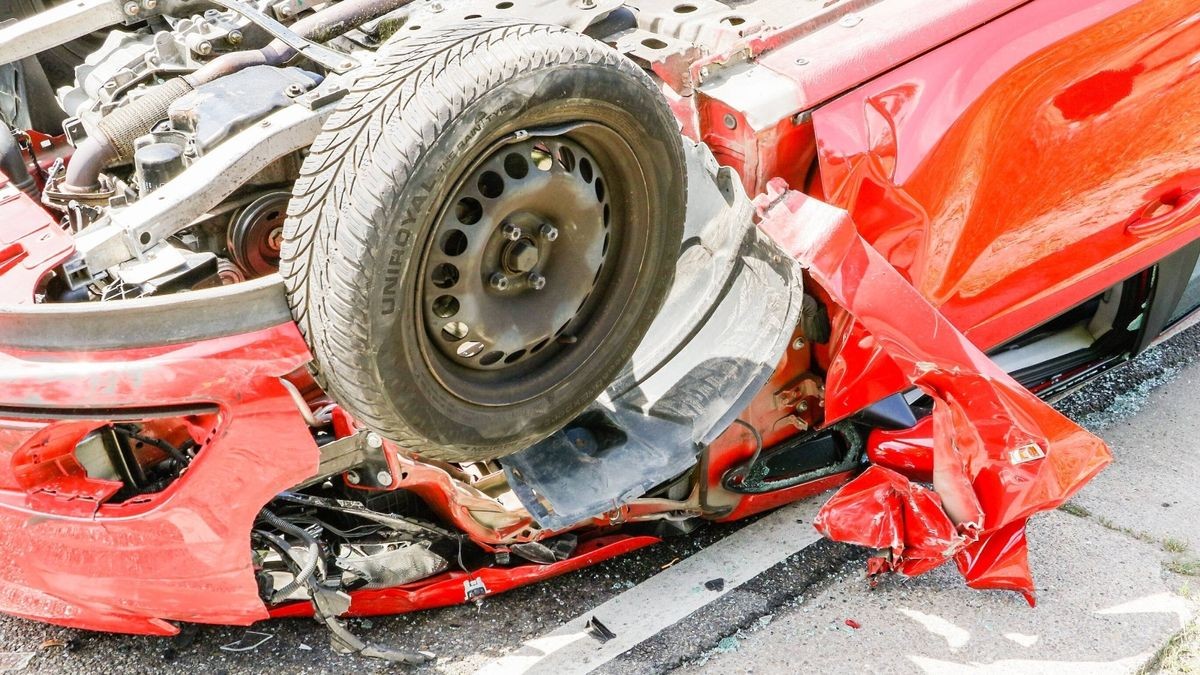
x=517, y=254
x=521, y=256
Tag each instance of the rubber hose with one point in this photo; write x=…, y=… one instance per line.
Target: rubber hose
x=314, y=551
x=120, y=128
x=117, y=132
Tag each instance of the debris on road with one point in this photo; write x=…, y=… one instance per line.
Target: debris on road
x=717, y=584
x=728, y=644
x=252, y=640
x=599, y=631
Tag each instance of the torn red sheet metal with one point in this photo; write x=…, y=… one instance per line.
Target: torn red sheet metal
x=1000, y=454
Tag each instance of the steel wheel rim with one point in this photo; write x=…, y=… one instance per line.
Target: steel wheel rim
x=591, y=211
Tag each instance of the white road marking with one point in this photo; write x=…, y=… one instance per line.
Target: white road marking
x=666, y=598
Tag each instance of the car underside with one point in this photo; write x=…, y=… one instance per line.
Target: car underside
x=369, y=306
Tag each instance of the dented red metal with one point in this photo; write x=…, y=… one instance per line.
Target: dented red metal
x=1000, y=454
x=179, y=555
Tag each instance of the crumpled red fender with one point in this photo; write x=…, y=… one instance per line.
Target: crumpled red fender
x=1000, y=454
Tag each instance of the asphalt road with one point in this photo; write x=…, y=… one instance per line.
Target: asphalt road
x=1108, y=574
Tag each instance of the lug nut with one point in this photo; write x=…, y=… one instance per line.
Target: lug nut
x=294, y=90
x=548, y=232
x=536, y=281
x=511, y=232
x=499, y=282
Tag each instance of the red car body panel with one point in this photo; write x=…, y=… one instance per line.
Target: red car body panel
x=1000, y=454
x=943, y=243
x=181, y=554
x=932, y=161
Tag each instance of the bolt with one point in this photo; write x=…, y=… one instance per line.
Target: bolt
x=150, y=5
x=384, y=478
x=204, y=48
x=284, y=11
x=353, y=478
x=802, y=406
x=499, y=282
x=704, y=73
x=132, y=8
x=536, y=281
x=850, y=20
x=730, y=121
x=798, y=343
x=588, y=4
x=374, y=440
x=234, y=38
x=294, y=90
x=436, y=7
x=511, y=232
x=548, y=232
x=275, y=239
x=802, y=61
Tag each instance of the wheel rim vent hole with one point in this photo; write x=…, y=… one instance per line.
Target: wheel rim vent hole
x=600, y=189
x=455, y=331
x=491, y=185
x=585, y=170
x=470, y=349
x=468, y=211
x=454, y=243
x=445, y=306
x=541, y=157
x=515, y=166
x=566, y=158
x=445, y=275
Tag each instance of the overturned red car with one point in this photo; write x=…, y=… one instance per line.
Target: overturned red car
x=368, y=306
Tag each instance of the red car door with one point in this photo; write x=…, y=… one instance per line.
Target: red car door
x=1030, y=163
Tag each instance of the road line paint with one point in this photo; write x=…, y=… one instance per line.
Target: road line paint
x=666, y=598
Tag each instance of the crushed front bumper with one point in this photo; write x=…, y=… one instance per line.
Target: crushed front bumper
x=180, y=554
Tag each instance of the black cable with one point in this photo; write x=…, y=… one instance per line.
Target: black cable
x=740, y=473
x=181, y=459
x=314, y=550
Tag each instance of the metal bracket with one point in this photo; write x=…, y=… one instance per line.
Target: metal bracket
x=61, y=24
x=327, y=58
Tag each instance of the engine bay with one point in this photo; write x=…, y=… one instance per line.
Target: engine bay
x=186, y=123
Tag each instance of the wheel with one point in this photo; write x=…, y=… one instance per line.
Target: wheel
x=482, y=234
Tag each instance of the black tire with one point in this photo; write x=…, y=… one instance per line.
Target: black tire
x=377, y=178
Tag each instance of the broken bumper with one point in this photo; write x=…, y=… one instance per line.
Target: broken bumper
x=73, y=556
